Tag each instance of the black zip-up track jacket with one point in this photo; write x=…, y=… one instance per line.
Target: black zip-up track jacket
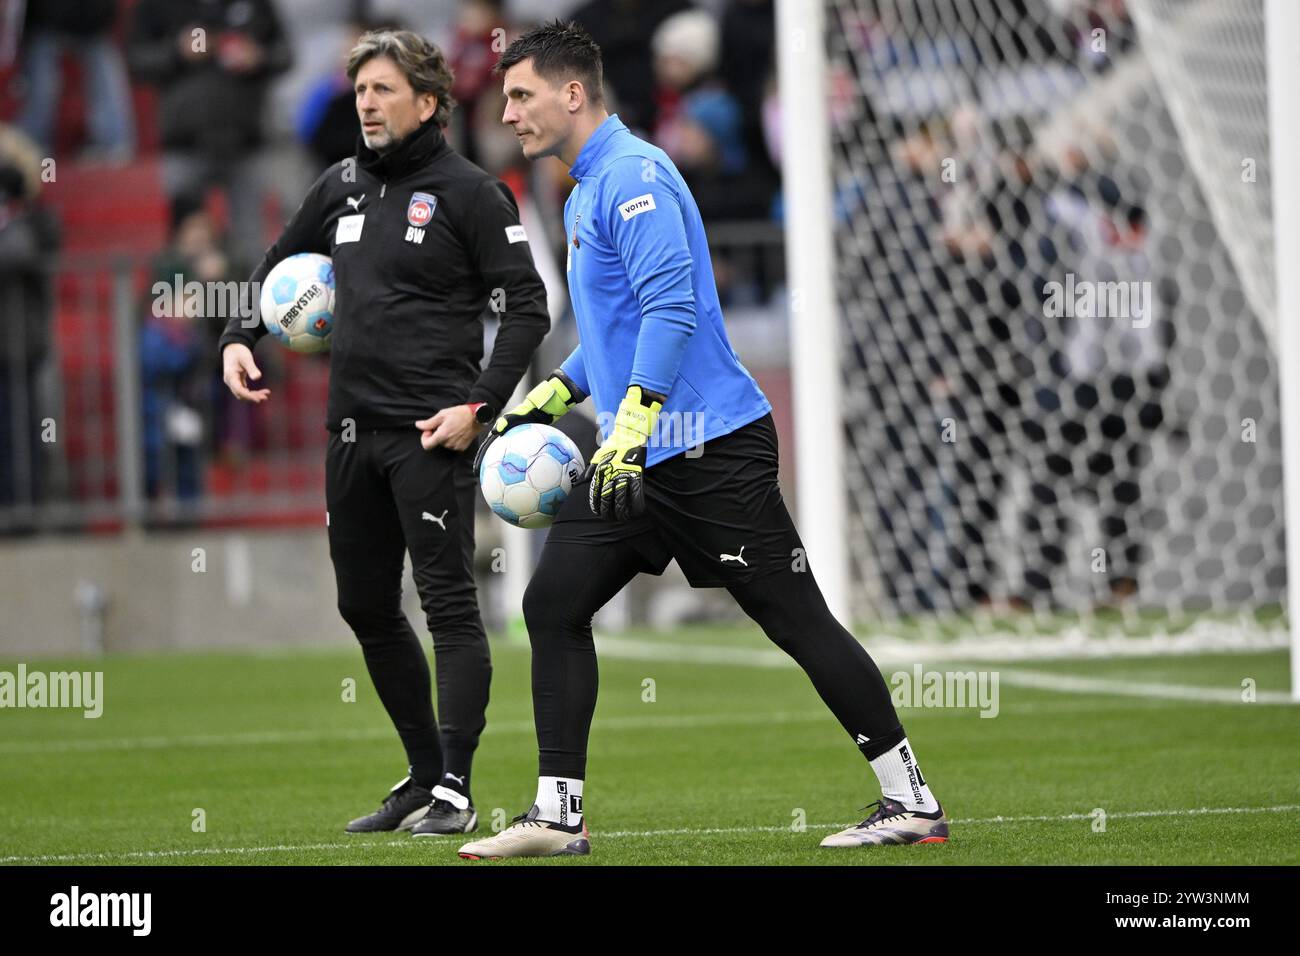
x=414, y=275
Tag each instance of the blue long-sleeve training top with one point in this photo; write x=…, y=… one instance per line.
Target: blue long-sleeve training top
x=644, y=297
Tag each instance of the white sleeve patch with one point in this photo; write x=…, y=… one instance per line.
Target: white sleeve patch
x=349, y=229
x=634, y=207
x=516, y=234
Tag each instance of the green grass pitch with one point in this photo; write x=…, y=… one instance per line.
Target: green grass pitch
x=720, y=768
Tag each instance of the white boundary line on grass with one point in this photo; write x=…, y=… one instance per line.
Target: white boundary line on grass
x=409, y=843
x=1073, y=643
x=630, y=649
x=1057, y=818
x=1064, y=683
x=654, y=651
x=41, y=748
x=253, y=738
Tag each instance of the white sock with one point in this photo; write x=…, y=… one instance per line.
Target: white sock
x=454, y=797
x=901, y=779
x=559, y=800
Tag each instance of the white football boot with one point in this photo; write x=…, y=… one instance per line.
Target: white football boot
x=529, y=836
x=893, y=823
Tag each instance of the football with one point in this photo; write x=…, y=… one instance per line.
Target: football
x=298, y=302
x=528, y=472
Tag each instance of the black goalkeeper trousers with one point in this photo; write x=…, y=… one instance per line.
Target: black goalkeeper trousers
x=386, y=495
x=573, y=581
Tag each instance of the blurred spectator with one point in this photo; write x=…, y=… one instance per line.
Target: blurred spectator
x=178, y=377
x=770, y=118
x=213, y=61
x=478, y=44
x=327, y=123
x=196, y=250
x=748, y=52
x=699, y=124
x=28, y=243
x=748, y=64
x=82, y=28
x=623, y=28
x=1110, y=373
x=991, y=223
x=170, y=353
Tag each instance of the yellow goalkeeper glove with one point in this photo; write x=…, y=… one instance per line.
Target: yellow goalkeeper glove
x=544, y=405
x=617, y=469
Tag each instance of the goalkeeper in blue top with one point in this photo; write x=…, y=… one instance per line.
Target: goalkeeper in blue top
x=688, y=468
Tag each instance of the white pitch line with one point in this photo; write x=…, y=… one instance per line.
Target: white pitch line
x=1059, y=818
x=252, y=738
x=1153, y=694
x=627, y=649
x=1076, y=643
x=602, y=724
x=662, y=721
x=205, y=851
x=1064, y=683
x=1073, y=643
x=408, y=843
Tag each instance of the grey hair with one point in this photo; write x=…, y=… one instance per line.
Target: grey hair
x=420, y=61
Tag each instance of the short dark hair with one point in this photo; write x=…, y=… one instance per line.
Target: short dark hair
x=420, y=61
x=560, y=51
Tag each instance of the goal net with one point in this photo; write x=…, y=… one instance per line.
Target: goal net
x=1055, y=279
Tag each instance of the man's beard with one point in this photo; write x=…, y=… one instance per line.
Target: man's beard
x=389, y=143
x=383, y=141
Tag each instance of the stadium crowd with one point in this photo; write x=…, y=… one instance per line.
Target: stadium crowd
x=207, y=119
x=181, y=156
x=981, y=211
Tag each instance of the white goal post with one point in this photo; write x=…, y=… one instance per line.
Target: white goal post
x=814, y=314
x=1283, y=33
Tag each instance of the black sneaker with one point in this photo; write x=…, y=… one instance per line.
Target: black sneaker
x=450, y=812
x=404, y=804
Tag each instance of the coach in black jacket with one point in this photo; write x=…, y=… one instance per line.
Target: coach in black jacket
x=423, y=242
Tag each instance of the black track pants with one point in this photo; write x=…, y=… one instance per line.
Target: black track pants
x=387, y=495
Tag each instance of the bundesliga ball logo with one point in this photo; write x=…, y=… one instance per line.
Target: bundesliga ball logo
x=298, y=302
